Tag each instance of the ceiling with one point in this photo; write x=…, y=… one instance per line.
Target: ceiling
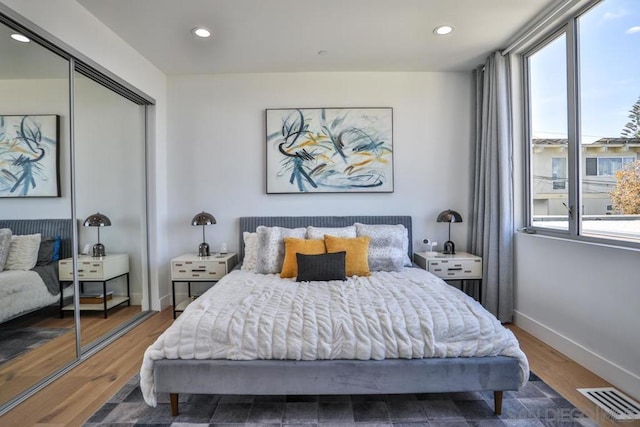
x=286, y=35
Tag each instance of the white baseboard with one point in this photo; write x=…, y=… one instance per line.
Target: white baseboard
x=626, y=381
x=165, y=302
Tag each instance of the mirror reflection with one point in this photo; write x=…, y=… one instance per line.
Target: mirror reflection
x=110, y=207
x=35, y=214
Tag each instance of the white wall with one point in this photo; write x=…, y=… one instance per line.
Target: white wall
x=75, y=26
x=217, y=149
x=584, y=300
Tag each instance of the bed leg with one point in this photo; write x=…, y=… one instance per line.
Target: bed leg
x=174, y=404
x=497, y=402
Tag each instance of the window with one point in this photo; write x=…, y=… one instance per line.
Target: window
x=559, y=173
x=584, y=124
x=606, y=166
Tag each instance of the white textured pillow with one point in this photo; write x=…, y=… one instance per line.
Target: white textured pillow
x=388, y=246
x=23, y=253
x=319, y=232
x=5, y=244
x=250, y=251
x=271, y=247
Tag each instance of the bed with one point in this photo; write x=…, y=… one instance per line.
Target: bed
x=176, y=364
x=22, y=292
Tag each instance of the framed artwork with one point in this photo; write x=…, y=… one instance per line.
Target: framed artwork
x=29, y=156
x=329, y=150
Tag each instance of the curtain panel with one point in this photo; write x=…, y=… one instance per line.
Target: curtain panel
x=492, y=223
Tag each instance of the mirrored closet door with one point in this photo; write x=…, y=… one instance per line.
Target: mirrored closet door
x=35, y=198
x=109, y=148
x=72, y=169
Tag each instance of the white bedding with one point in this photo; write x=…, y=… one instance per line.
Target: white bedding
x=407, y=314
x=22, y=291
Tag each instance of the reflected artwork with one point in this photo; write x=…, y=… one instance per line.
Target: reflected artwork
x=29, y=156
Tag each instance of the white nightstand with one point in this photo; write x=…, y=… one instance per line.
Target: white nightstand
x=460, y=266
x=192, y=268
x=90, y=269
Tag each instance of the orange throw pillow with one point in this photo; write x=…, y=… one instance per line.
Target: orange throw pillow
x=357, y=249
x=293, y=246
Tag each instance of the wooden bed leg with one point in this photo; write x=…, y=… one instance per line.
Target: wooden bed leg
x=497, y=402
x=174, y=404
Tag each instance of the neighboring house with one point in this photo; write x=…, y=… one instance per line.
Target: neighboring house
x=600, y=161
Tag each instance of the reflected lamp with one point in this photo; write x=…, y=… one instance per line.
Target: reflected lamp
x=449, y=248
x=97, y=220
x=203, y=219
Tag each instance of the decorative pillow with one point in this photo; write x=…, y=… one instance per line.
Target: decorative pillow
x=321, y=267
x=5, y=244
x=389, y=246
x=356, y=249
x=271, y=247
x=292, y=247
x=319, y=232
x=49, y=250
x=250, y=251
x=23, y=253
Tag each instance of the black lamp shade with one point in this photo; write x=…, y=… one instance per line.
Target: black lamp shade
x=203, y=218
x=97, y=220
x=449, y=216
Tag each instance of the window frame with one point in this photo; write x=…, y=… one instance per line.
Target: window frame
x=569, y=27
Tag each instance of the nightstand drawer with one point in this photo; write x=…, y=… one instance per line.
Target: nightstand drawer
x=200, y=270
x=86, y=270
x=456, y=268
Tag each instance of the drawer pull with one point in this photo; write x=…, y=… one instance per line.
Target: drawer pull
x=454, y=269
x=182, y=271
x=196, y=275
x=178, y=264
x=467, y=271
x=93, y=271
x=203, y=267
x=197, y=270
x=437, y=269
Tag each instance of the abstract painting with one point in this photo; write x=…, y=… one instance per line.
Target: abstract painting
x=329, y=150
x=29, y=156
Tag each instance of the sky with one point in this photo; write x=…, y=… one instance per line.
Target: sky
x=609, y=40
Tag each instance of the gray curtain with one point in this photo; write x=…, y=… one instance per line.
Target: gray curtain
x=492, y=217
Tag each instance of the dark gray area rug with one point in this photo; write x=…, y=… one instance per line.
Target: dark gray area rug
x=536, y=404
x=15, y=341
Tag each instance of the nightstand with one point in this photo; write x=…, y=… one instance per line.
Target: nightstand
x=460, y=266
x=102, y=270
x=192, y=268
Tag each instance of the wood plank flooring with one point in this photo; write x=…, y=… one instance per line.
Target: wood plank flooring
x=27, y=369
x=72, y=399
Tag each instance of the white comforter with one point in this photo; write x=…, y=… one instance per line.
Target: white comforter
x=22, y=291
x=408, y=314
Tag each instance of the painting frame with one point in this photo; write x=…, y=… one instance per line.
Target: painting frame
x=329, y=150
x=29, y=155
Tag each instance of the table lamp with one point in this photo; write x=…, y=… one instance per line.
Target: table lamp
x=203, y=218
x=449, y=248
x=97, y=220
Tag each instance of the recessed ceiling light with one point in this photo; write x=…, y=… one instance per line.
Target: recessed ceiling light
x=201, y=32
x=20, y=38
x=443, y=30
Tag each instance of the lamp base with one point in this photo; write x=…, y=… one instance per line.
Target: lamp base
x=449, y=248
x=203, y=250
x=98, y=250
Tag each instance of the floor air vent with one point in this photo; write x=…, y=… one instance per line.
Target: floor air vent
x=615, y=403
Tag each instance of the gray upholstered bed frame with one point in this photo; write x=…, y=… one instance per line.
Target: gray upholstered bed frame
x=47, y=228
x=390, y=376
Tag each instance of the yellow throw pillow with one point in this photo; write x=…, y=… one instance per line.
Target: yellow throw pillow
x=357, y=249
x=293, y=246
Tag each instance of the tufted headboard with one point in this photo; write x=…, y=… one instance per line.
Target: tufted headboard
x=250, y=223
x=47, y=228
